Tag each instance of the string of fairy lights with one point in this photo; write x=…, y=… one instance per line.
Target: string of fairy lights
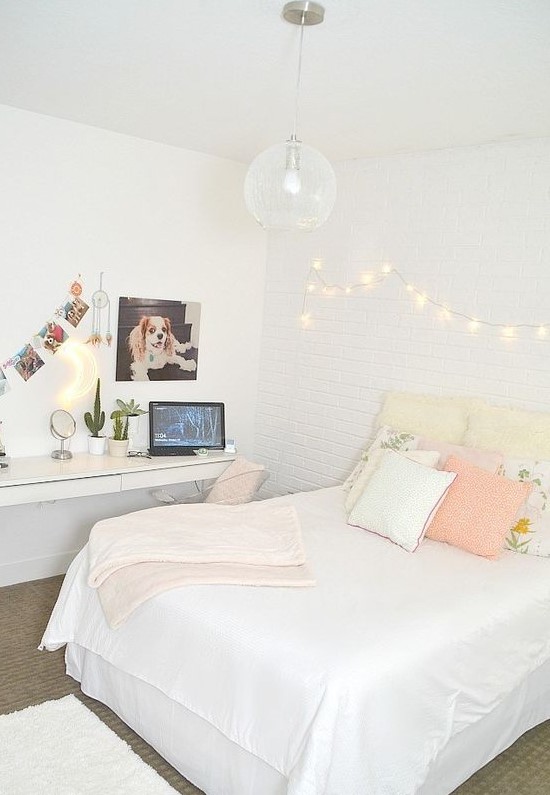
x=317, y=285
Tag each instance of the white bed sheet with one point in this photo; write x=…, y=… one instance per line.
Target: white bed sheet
x=355, y=686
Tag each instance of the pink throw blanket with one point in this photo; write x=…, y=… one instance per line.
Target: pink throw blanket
x=139, y=555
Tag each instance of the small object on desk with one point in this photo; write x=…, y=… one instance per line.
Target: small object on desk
x=230, y=446
x=2, y=448
x=3, y=461
x=201, y=451
x=62, y=427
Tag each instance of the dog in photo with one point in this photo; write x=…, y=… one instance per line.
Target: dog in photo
x=52, y=336
x=153, y=345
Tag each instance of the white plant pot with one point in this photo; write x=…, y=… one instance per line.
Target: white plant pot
x=133, y=432
x=96, y=445
x=118, y=447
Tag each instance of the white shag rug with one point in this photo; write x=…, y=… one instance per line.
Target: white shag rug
x=61, y=748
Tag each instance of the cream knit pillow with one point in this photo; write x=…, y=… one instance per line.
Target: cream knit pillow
x=513, y=432
x=239, y=483
x=444, y=418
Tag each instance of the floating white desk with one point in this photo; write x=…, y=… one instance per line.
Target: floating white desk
x=43, y=479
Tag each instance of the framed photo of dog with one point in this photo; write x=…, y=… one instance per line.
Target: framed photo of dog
x=158, y=340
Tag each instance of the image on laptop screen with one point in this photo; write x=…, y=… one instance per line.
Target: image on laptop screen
x=182, y=428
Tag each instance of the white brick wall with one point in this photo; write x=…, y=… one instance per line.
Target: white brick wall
x=471, y=227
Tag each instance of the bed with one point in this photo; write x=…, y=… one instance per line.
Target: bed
x=398, y=674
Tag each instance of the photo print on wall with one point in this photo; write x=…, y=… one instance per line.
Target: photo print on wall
x=51, y=337
x=4, y=385
x=157, y=340
x=27, y=362
x=74, y=310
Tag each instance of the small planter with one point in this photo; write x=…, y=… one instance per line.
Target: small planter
x=133, y=431
x=118, y=448
x=96, y=445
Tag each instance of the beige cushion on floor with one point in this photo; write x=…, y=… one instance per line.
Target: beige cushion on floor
x=513, y=432
x=239, y=483
x=444, y=418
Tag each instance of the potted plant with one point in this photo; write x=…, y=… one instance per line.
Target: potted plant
x=131, y=411
x=121, y=423
x=118, y=442
x=94, y=423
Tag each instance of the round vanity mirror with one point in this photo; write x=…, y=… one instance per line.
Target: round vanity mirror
x=62, y=427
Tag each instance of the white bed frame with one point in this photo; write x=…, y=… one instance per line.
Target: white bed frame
x=204, y=756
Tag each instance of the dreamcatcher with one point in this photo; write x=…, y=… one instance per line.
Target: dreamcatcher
x=100, y=301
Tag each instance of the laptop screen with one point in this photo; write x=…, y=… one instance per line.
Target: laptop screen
x=181, y=428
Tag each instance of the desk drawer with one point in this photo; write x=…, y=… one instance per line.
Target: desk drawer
x=164, y=477
x=59, y=490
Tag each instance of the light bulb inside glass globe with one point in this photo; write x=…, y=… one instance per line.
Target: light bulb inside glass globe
x=292, y=182
x=290, y=186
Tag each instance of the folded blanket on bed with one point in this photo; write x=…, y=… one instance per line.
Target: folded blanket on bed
x=139, y=555
x=128, y=588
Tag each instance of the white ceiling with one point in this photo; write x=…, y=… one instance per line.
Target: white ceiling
x=378, y=75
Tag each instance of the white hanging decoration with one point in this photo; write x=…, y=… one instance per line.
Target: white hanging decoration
x=100, y=301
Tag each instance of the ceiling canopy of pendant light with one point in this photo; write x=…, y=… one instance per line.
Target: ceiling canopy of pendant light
x=291, y=186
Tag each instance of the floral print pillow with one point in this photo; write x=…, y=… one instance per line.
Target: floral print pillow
x=530, y=533
x=386, y=439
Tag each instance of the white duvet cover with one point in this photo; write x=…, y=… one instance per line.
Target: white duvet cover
x=352, y=687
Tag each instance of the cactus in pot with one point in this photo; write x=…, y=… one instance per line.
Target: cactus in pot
x=129, y=413
x=120, y=427
x=94, y=423
x=118, y=442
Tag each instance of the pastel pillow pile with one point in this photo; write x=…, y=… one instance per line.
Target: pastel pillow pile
x=492, y=500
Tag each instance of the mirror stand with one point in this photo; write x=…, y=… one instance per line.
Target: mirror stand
x=62, y=427
x=62, y=454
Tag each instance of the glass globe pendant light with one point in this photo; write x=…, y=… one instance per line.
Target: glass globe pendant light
x=292, y=186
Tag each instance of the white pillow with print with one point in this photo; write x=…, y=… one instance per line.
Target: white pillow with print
x=530, y=533
x=400, y=500
x=387, y=438
x=428, y=458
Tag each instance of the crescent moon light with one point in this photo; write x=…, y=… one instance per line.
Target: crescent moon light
x=85, y=370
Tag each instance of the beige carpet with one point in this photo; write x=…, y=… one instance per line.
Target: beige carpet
x=28, y=676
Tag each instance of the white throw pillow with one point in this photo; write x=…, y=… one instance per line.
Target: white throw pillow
x=428, y=458
x=400, y=500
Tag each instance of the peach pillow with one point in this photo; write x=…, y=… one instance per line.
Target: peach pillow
x=479, y=509
x=484, y=459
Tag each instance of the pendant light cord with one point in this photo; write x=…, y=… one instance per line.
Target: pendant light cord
x=298, y=79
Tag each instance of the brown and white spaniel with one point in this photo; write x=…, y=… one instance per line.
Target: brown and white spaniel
x=152, y=345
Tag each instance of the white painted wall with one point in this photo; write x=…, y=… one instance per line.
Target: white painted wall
x=162, y=223
x=469, y=226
